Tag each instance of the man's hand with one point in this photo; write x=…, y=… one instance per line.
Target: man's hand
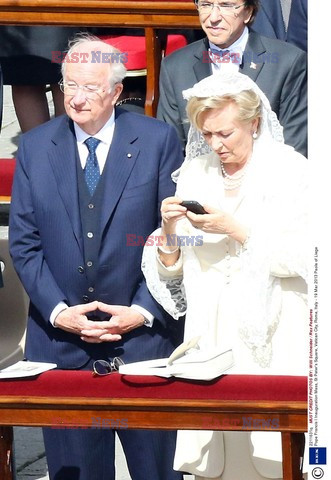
x=124, y=319
x=74, y=320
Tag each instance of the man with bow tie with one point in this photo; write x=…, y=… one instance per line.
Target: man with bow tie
x=278, y=68
x=83, y=183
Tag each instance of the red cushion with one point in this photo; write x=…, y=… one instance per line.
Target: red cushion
x=174, y=42
x=229, y=387
x=7, y=167
x=135, y=47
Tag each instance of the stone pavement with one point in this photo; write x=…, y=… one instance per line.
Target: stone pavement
x=29, y=446
x=30, y=456
x=10, y=129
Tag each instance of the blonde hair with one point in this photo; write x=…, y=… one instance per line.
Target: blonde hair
x=117, y=70
x=248, y=102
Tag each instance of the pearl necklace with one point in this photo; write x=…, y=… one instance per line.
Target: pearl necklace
x=231, y=182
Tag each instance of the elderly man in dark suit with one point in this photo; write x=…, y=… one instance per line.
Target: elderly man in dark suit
x=86, y=195
x=278, y=68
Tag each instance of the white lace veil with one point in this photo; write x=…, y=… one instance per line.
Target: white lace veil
x=221, y=84
x=261, y=298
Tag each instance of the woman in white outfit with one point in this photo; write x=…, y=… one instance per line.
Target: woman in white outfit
x=239, y=271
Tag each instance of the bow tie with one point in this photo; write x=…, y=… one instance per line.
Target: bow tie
x=219, y=53
x=218, y=56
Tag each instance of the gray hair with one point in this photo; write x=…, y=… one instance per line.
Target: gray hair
x=117, y=71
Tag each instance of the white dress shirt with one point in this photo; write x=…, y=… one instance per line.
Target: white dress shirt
x=236, y=51
x=105, y=135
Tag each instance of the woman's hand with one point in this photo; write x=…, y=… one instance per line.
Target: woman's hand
x=171, y=212
x=216, y=221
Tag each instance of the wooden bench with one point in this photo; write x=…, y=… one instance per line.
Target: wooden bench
x=76, y=399
x=148, y=14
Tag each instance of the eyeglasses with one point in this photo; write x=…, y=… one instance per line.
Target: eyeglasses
x=102, y=367
x=227, y=9
x=90, y=91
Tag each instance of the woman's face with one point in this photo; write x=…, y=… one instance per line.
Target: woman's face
x=229, y=137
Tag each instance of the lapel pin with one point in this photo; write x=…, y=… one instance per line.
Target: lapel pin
x=129, y=155
x=253, y=65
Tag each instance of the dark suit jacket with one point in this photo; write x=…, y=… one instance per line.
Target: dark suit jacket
x=269, y=20
x=280, y=72
x=297, y=24
x=46, y=238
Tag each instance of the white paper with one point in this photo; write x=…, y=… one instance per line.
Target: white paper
x=189, y=363
x=26, y=369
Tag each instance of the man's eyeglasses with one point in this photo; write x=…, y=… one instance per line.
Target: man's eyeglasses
x=90, y=91
x=102, y=367
x=227, y=9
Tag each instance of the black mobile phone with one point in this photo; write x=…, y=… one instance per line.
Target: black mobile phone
x=194, y=207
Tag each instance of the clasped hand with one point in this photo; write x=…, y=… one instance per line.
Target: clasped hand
x=74, y=320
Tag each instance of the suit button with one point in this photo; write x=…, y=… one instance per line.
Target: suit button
x=90, y=235
x=91, y=289
x=86, y=299
x=81, y=269
x=90, y=206
x=89, y=263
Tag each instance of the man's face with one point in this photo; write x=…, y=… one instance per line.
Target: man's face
x=90, y=111
x=224, y=29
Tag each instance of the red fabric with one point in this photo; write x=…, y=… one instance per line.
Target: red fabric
x=229, y=387
x=7, y=167
x=135, y=48
x=174, y=42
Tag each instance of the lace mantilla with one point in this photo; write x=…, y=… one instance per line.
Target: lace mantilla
x=221, y=84
x=167, y=291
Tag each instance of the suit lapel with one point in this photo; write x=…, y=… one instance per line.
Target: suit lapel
x=202, y=68
x=63, y=163
x=121, y=159
x=274, y=14
x=252, y=61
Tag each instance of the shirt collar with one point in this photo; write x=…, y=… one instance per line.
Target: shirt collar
x=105, y=135
x=237, y=47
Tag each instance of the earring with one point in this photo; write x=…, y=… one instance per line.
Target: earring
x=254, y=135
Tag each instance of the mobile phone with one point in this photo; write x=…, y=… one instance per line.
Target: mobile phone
x=194, y=207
